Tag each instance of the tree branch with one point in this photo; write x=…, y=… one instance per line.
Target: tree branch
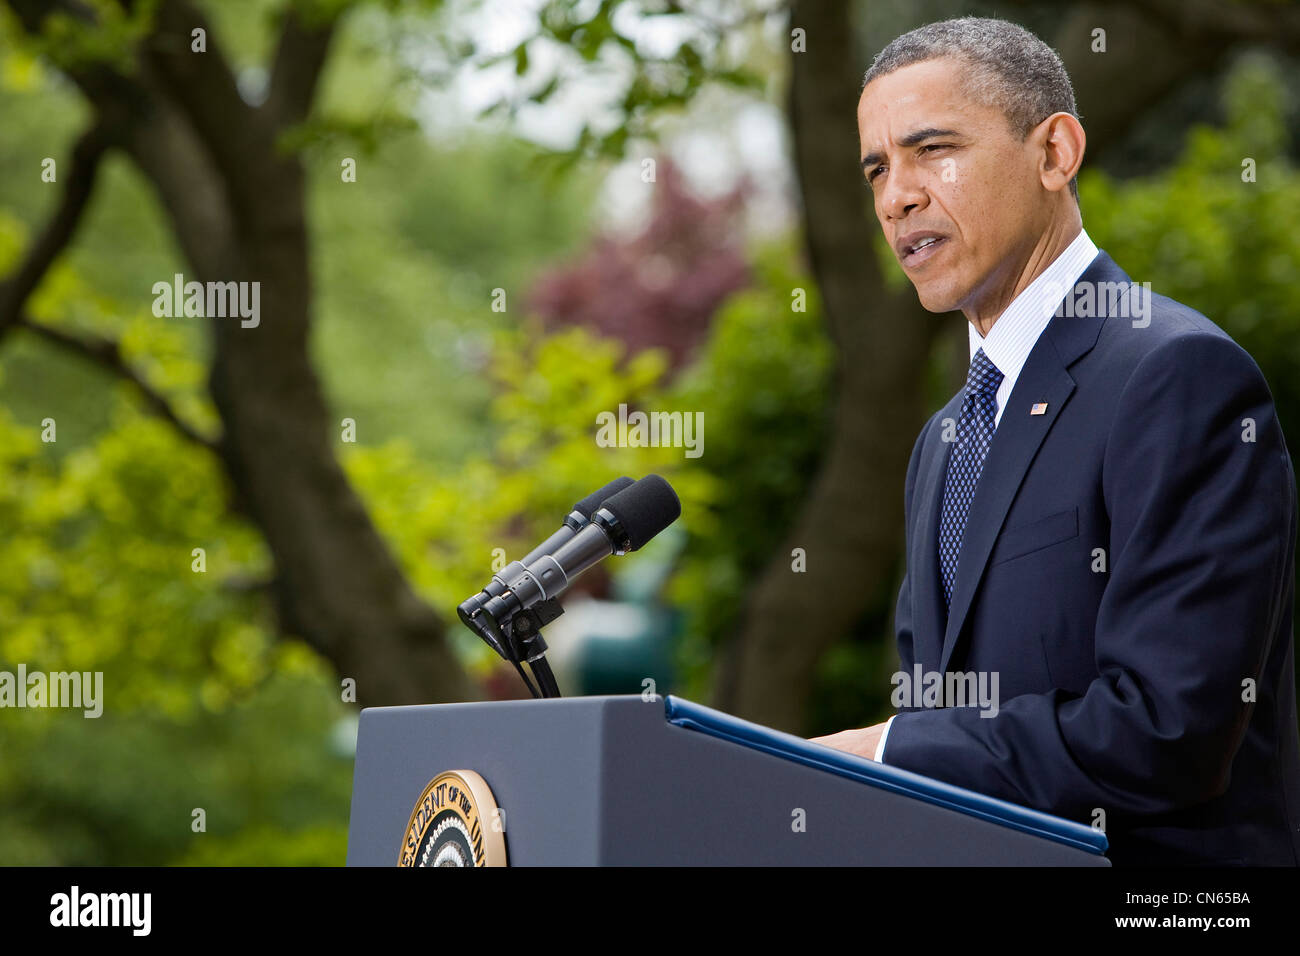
x=1271, y=24
x=107, y=354
x=204, y=88
x=79, y=183
x=295, y=72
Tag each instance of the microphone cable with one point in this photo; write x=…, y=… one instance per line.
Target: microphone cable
x=490, y=623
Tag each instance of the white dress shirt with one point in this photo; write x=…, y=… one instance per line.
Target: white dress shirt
x=1017, y=329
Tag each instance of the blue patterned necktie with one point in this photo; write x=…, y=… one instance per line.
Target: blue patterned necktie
x=974, y=433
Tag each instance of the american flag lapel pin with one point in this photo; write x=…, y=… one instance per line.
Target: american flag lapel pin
x=1040, y=408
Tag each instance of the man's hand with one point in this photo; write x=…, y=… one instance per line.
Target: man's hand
x=862, y=742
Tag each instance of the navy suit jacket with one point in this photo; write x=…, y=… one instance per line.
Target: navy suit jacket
x=1147, y=687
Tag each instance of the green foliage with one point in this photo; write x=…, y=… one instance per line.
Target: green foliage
x=651, y=84
x=272, y=773
x=853, y=678
x=479, y=212
x=71, y=42
x=1201, y=235
x=763, y=383
x=545, y=457
x=96, y=568
x=322, y=845
x=99, y=526
x=101, y=523
x=412, y=253
x=330, y=135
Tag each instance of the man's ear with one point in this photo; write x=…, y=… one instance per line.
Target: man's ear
x=1062, y=141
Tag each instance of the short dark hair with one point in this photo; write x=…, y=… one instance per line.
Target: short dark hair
x=1009, y=68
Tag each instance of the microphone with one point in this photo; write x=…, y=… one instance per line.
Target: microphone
x=573, y=522
x=624, y=523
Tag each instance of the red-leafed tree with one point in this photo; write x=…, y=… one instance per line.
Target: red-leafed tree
x=660, y=287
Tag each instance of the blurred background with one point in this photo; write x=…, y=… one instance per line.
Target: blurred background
x=476, y=226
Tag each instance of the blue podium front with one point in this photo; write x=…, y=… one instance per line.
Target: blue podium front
x=623, y=780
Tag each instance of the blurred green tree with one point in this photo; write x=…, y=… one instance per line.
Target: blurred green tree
x=162, y=90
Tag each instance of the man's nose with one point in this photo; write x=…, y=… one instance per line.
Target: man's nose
x=904, y=195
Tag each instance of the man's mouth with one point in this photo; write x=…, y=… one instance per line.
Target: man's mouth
x=916, y=248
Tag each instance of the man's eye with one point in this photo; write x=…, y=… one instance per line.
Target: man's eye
x=931, y=146
x=871, y=176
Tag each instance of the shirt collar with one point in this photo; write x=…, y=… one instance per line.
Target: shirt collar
x=1013, y=335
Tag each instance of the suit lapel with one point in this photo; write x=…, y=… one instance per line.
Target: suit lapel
x=1044, y=378
x=927, y=594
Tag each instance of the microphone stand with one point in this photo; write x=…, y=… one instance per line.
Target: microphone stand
x=519, y=640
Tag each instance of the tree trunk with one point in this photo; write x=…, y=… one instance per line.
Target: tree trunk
x=851, y=525
x=236, y=207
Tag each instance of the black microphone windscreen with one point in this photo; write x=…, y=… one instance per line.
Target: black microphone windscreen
x=644, y=509
x=588, y=505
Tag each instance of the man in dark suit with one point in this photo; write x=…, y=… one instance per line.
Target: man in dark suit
x=1101, y=525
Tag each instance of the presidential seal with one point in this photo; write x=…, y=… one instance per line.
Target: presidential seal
x=456, y=822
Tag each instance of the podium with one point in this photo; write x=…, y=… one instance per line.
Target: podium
x=662, y=781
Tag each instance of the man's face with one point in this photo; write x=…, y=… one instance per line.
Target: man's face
x=942, y=167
